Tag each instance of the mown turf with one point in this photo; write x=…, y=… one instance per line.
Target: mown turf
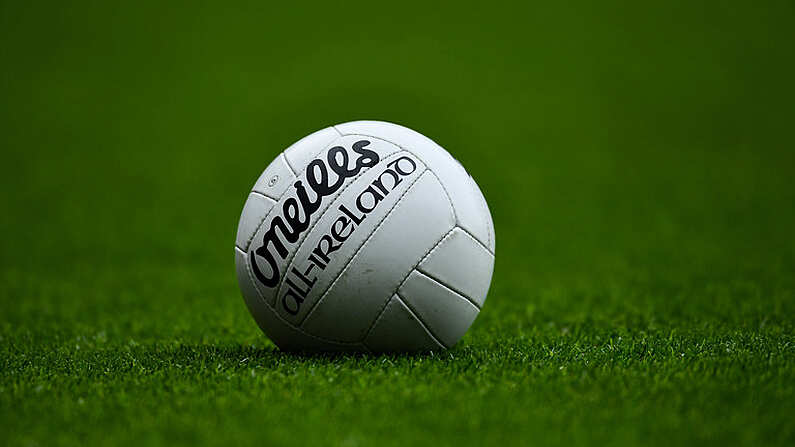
x=638, y=162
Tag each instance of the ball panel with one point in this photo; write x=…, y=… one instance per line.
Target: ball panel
x=446, y=314
x=300, y=153
x=256, y=208
x=275, y=179
x=456, y=181
x=398, y=329
x=356, y=227
x=412, y=228
x=282, y=334
x=463, y=264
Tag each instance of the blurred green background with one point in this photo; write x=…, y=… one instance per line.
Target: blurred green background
x=638, y=159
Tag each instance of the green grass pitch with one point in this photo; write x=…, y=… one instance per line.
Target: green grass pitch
x=639, y=163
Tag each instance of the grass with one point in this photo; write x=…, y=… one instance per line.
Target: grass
x=637, y=160
x=585, y=386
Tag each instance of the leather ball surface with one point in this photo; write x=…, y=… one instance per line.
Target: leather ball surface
x=365, y=236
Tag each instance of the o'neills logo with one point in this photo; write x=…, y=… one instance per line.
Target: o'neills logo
x=297, y=212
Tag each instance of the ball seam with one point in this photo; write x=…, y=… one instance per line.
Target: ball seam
x=425, y=256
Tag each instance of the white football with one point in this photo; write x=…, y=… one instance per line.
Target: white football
x=365, y=236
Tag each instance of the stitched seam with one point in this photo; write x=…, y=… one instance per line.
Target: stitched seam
x=446, y=286
x=367, y=348
x=422, y=323
x=444, y=188
x=428, y=253
x=471, y=236
x=279, y=317
x=262, y=221
x=262, y=194
x=248, y=243
x=378, y=318
x=446, y=192
x=286, y=162
x=305, y=236
x=274, y=198
x=358, y=250
x=449, y=200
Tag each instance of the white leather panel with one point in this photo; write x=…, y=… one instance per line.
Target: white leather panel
x=446, y=314
x=397, y=329
x=256, y=208
x=275, y=179
x=463, y=264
